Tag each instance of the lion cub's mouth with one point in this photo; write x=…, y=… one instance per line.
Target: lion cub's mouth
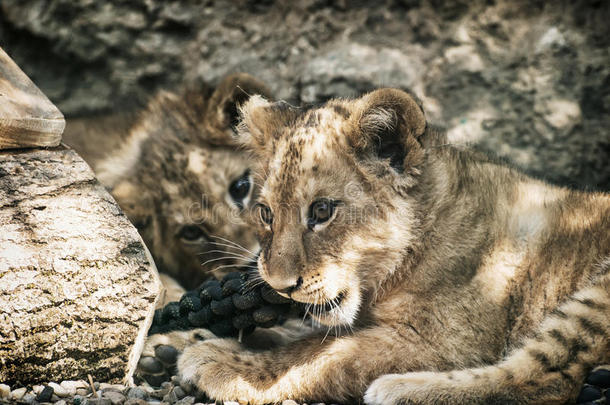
x=318, y=309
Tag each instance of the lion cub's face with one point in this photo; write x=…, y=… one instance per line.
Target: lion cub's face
x=191, y=182
x=334, y=213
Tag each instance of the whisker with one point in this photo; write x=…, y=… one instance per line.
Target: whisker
x=228, y=246
x=219, y=258
x=231, y=253
x=237, y=245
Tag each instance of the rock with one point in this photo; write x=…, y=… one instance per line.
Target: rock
x=187, y=401
x=29, y=398
x=18, y=393
x=97, y=401
x=60, y=391
x=186, y=386
x=79, y=399
x=94, y=285
x=137, y=393
x=5, y=391
x=82, y=391
x=289, y=402
x=61, y=402
x=135, y=401
x=111, y=387
x=174, y=395
x=72, y=386
x=45, y=395
x=114, y=396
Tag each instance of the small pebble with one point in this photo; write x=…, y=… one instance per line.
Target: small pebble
x=29, y=398
x=174, y=395
x=97, y=401
x=5, y=390
x=37, y=389
x=112, y=387
x=45, y=395
x=186, y=401
x=135, y=401
x=78, y=399
x=137, y=393
x=186, y=386
x=289, y=402
x=61, y=402
x=72, y=386
x=82, y=392
x=17, y=394
x=114, y=396
x=59, y=390
x=179, y=392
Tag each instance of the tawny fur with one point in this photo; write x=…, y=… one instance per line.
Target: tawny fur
x=464, y=280
x=170, y=165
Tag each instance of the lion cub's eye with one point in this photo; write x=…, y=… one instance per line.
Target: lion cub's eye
x=265, y=214
x=320, y=211
x=191, y=233
x=240, y=189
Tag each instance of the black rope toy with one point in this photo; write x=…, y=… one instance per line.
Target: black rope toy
x=232, y=306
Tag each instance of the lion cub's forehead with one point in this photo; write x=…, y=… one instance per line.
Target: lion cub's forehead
x=307, y=147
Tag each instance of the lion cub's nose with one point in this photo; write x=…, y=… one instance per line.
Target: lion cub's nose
x=286, y=286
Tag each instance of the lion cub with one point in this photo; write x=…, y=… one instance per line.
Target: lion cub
x=175, y=169
x=443, y=277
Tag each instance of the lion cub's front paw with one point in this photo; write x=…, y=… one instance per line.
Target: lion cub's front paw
x=411, y=388
x=215, y=367
x=158, y=360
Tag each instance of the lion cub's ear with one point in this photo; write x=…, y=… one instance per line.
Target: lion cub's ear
x=386, y=124
x=222, y=115
x=262, y=123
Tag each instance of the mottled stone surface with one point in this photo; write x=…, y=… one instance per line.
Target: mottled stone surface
x=528, y=80
x=77, y=285
x=27, y=117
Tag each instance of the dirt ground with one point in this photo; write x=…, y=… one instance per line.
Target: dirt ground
x=526, y=80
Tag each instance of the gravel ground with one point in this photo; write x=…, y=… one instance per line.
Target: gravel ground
x=596, y=391
x=80, y=393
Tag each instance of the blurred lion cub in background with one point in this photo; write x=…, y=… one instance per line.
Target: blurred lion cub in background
x=176, y=171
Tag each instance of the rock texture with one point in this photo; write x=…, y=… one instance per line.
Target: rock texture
x=27, y=117
x=528, y=80
x=77, y=285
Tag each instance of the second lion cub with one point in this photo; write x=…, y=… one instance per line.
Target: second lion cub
x=454, y=279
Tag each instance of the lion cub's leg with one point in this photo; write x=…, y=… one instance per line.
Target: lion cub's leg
x=158, y=359
x=311, y=369
x=548, y=368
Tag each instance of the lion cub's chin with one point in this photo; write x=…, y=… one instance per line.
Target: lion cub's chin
x=342, y=312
